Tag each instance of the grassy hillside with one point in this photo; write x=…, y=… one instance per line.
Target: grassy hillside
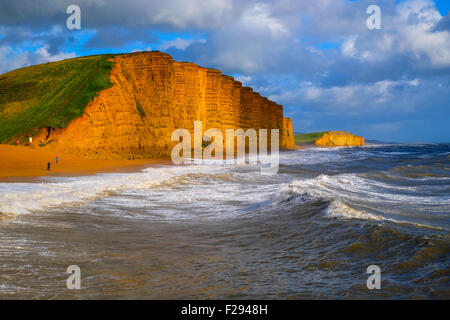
x=49, y=94
x=307, y=138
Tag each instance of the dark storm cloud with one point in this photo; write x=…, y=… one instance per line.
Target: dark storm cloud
x=170, y=14
x=40, y=14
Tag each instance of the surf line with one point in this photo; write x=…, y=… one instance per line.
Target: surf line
x=193, y=310
x=213, y=149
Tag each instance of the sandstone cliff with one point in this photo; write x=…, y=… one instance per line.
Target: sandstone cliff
x=339, y=139
x=151, y=96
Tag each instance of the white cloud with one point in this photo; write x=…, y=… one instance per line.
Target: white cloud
x=312, y=93
x=414, y=82
x=182, y=14
x=409, y=32
x=44, y=56
x=11, y=59
x=351, y=99
x=179, y=43
x=245, y=80
x=348, y=47
x=140, y=50
x=419, y=38
x=259, y=17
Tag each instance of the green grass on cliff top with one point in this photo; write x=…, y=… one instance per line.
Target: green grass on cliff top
x=49, y=94
x=308, y=138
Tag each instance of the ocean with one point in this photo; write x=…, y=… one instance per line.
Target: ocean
x=223, y=231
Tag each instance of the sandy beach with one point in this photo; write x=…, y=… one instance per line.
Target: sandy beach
x=18, y=162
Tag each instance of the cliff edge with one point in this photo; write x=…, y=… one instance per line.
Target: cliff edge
x=329, y=139
x=151, y=96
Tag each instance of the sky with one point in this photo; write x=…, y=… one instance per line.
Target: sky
x=316, y=58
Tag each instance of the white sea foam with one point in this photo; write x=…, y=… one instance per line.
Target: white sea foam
x=356, y=187
x=23, y=198
x=214, y=189
x=346, y=190
x=338, y=209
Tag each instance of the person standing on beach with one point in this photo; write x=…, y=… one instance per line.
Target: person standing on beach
x=57, y=160
x=48, y=166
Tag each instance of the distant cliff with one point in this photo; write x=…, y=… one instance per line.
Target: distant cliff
x=329, y=139
x=152, y=95
x=339, y=139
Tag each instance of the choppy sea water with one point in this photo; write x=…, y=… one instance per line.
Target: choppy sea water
x=226, y=231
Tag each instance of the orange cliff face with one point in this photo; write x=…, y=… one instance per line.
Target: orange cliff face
x=339, y=139
x=151, y=96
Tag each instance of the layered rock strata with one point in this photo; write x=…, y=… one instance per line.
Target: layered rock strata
x=151, y=96
x=339, y=139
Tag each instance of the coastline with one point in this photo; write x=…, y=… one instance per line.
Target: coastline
x=24, y=164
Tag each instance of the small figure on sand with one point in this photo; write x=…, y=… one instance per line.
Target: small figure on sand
x=48, y=166
x=57, y=160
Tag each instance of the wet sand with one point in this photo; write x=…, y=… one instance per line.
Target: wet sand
x=18, y=163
